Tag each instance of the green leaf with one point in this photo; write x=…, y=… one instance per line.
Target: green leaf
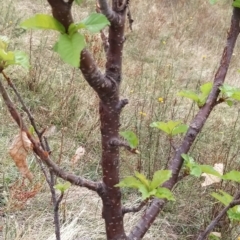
x=74, y=27
x=188, y=160
x=78, y=2
x=43, y=21
x=144, y=191
x=213, y=237
x=130, y=137
x=206, y=88
x=229, y=102
x=234, y=213
x=224, y=197
x=21, y=59
x=233, y=176
x=142, y=179
x=6, y=56
x=164, y=193
x=95, y=22
x=162, y=126
x=196, y=171
x=190, y=95
x=209, y=170
x=130, y=182
x=236, y=95
x=159, y=178
x=236, y=3
x=62, y=187
x=70, y=47
x=182, y=128
x=227, y=90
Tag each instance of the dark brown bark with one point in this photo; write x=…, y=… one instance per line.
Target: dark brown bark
x=107, y=87
x=195, y=127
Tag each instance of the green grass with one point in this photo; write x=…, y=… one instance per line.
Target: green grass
x=173, y=46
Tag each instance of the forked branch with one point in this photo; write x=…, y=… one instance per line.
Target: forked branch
x=42, y=154
x=195, y=127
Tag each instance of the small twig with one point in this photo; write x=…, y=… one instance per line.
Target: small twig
x=120, y=143
x=56, y=203
x=214, y=222
x=24, y=107
x=135, y=208
x=130, y=20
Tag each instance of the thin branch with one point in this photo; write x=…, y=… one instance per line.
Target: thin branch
x=107, y=11
x=214, y=222
x=120, y=143
x=44, y=155
x=56, y=203
x=195, y=127
x=135, y=208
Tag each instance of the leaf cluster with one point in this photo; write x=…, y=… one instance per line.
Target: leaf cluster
x=149, y=188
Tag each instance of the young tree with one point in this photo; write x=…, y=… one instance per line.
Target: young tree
x=107, y=87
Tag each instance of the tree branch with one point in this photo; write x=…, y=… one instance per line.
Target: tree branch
x=42, y=154
x=209, y=228
x=195, y=127
x=135, y=208
x=107, y=11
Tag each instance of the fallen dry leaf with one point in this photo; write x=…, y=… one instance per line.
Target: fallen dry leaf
x=217, y=234
x=209, y=178
x=19, y=150
x=78, y=154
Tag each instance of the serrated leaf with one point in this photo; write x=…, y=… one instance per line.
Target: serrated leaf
x=130, y=182
x=159, y=178
x=144, y=191
x=130, y=137
x=164, y=193
x=95, y=22
x=43, y=21
x=190, y=95
x=142, y=179
x=162, y=126
x=223, y=197
x=180, y=129
x=62, y=187
x=70, y=47
x=233, y=176
x=173, y=124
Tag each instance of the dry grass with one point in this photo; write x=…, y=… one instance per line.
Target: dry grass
x=174, y=45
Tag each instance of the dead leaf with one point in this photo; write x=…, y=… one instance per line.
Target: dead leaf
x=217, y=234
x=19, y=150
x=78, y=154
x=209, y=178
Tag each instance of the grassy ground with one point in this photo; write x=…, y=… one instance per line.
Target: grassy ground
x=174, y=45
